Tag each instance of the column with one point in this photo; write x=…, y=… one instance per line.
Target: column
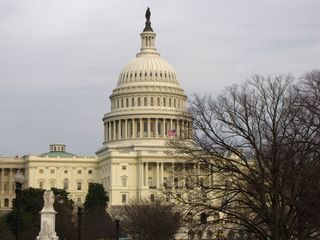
x=156, y=128
x=178, y=128
x=186, y=129
x=10, y=180
x=133, y=128
x=182, y=129
x=142, y=174
x=105, y=131
x=119, y=128
x=2, y=176
x=148, y=128
x=161, y=174
x=109, y=131
x=114, y=130
x=126, y=128
x=141, y=128
x=147, y=175
x=163, y=127
x=157, y=176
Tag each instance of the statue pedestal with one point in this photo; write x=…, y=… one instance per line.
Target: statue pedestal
x=48, y=218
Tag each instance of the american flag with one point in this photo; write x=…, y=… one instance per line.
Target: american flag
x=172, y=133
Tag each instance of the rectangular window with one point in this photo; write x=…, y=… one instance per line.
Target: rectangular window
x=90, y=171
x=79, y=171
x=5, y=186
x=124, y=182
x=52, y=185
x=52, y=171
x=124, y=198
x=124, y=167
x=40, y=171
x=78, y=186
x=41, y=185
x=6, y=202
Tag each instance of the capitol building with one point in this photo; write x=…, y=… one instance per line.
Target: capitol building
x=148, y=109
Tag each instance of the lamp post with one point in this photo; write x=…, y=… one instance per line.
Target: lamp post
x=19, y=179
x=117, y=228
x=79, y=222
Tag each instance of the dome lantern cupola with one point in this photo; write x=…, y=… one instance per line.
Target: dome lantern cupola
x=148, y=37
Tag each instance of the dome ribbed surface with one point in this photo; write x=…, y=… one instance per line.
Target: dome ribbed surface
x=148, y=68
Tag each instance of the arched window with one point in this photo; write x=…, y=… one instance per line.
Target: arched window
x=164, y=102
x=127, y=102
x=139, y=102
x=65, y=184
x=151, y=101
x=158, y=101
x=145, y=101
x=132, y=102
x=169, y=102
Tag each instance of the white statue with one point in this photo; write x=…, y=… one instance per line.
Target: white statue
x=48, y=198
x=48, y=218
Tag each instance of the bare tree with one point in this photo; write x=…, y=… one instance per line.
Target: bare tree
x=255, y=160
x=151, y=220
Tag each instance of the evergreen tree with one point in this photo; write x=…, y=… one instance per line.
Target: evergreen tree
x=97, y=224
x=96, y=197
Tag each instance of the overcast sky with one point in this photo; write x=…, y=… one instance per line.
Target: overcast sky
x=60, y=60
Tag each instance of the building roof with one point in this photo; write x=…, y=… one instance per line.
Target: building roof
x=58, y=154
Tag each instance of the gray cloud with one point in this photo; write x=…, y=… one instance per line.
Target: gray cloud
x=59, y=60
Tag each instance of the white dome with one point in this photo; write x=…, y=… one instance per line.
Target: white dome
x=148, y=68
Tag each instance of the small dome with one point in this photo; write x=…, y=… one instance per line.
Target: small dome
x=148, y=68
x=57, y=150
